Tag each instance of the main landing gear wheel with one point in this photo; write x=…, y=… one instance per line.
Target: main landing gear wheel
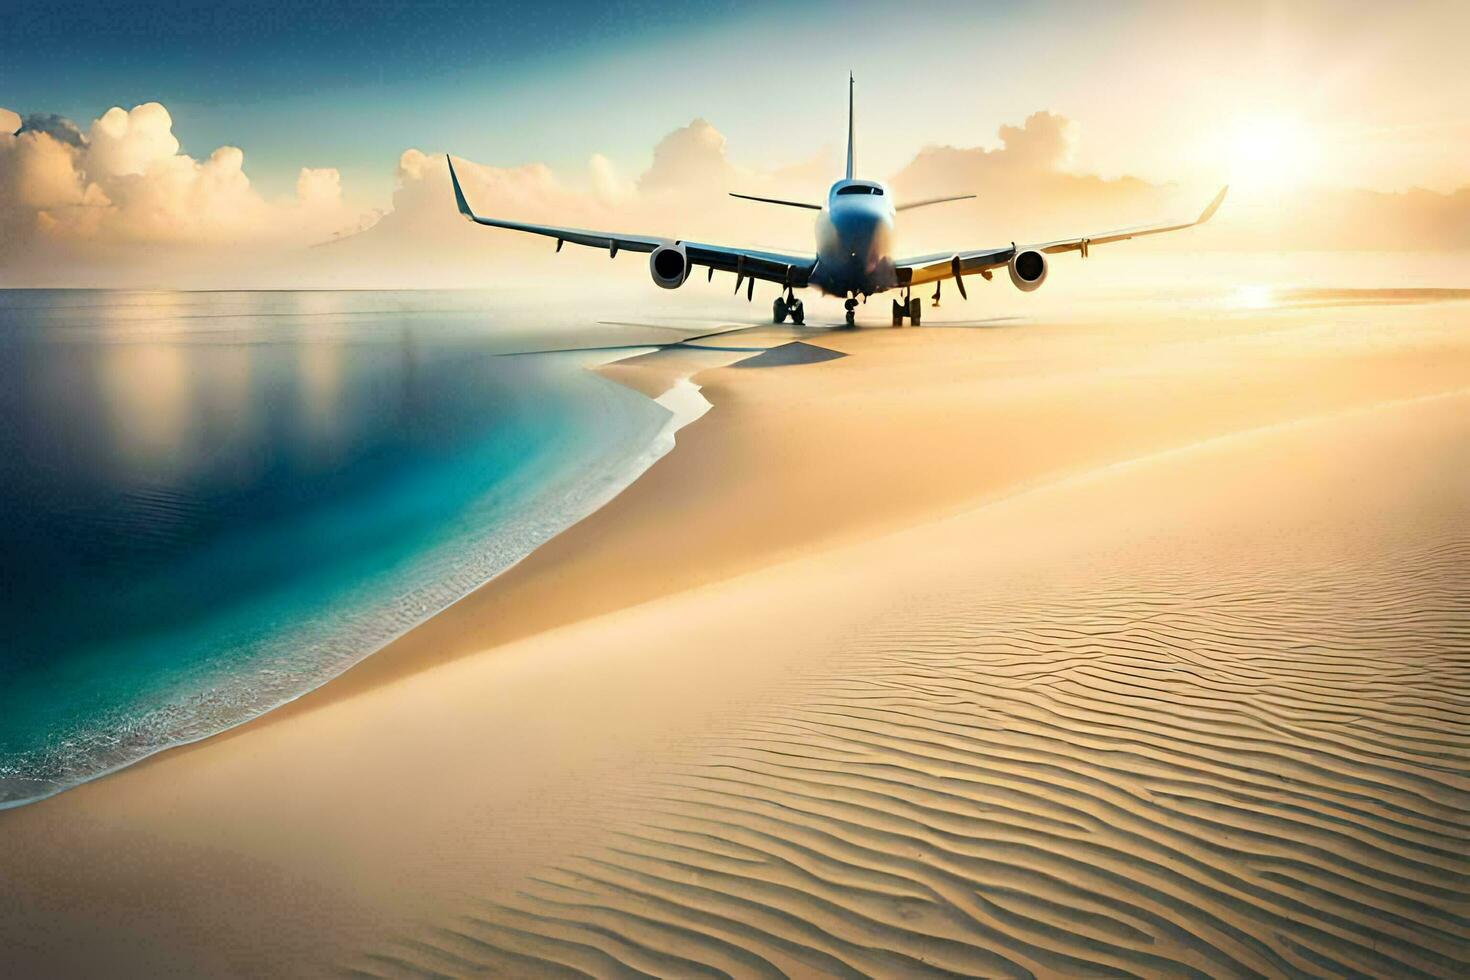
x=788, y=306
x=851, y=307
x=911, y=308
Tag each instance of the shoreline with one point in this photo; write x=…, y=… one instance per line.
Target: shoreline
x=672, y=390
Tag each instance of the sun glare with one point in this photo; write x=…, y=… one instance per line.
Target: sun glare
x=1270, y=151
x=1253, y=297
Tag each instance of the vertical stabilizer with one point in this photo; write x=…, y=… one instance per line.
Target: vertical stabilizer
x=850, y=173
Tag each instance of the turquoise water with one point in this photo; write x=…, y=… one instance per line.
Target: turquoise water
x=212, y=502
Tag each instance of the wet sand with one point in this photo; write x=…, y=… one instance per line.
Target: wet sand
x=1119, y=644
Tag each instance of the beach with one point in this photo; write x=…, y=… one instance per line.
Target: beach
x=1119, y=642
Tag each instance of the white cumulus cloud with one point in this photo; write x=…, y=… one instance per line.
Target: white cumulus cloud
x=124, y=183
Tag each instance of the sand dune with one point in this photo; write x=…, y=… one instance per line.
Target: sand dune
x=1121, y=645
x=1230, y=750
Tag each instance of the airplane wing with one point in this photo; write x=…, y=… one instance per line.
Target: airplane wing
x=788, y=270
x=953, y=265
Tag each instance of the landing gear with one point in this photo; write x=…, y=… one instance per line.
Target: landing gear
x=788, y=305
x=911, y=308
x=851, y=307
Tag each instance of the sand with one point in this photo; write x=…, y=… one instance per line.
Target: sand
x=1128, y=643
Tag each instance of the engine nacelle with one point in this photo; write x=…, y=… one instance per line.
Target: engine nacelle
x=1028, y=269
x=669, y=265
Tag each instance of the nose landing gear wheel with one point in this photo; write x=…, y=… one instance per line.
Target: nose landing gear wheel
x=851, y=307
x=798, y=312
x=779, y=310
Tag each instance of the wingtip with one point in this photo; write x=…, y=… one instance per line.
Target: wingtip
x=1209, y=212
x=460, y=202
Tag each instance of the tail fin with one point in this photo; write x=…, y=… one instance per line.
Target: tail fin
x=850, y=163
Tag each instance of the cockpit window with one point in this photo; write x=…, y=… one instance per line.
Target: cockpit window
x=859, y=189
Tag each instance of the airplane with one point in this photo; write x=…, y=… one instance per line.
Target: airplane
x=855, y=235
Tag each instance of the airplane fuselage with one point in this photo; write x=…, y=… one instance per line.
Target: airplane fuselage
x=855, y=240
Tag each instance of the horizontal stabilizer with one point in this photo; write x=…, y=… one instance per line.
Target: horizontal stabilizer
x=933, y=200
x=776, y=200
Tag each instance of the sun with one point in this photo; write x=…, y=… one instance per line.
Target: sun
x=1253, y=297
x=1270, y=151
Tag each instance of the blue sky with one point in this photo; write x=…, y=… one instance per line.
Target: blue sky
x=341, y=84
x=352, y=85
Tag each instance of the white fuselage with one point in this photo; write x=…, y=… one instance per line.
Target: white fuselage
x=855, y=240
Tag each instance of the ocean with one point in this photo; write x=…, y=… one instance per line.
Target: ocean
x=211, y=503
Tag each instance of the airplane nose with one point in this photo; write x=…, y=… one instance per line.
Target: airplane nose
x=865, y=233
x=859, y=227
x=856, y=243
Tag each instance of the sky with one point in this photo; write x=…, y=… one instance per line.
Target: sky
x=323, y=100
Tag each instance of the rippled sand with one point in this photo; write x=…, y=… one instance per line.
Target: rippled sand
x=1234, y=748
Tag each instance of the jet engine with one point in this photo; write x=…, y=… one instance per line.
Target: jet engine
x=669, y=265
x=1028, y=269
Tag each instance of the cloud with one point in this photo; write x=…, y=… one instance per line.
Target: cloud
x=693, y=156
x=88, y=197
x=36, y=173
x=608, y=186
x=60, y=128
x=9, y=121
x=319, y=189
x=123, y=143
x=1039, y=146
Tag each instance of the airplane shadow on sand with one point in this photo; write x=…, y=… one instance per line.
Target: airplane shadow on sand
x=789, y=353
x=786, y=355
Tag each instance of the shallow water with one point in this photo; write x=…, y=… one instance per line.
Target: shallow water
x=213, y=502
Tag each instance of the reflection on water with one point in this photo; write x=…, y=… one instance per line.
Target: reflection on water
x=321, y=386
x=213, y=502
x=147, y=400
